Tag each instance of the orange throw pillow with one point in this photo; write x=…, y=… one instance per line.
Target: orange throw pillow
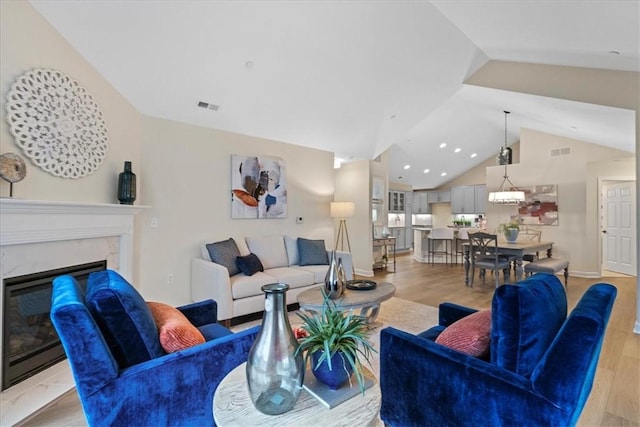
x=175, y=330
x=470, y=335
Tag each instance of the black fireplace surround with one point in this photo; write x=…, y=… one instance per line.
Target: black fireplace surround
x=30, y=343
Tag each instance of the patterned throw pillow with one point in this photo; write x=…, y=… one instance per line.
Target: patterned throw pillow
x=176, y=332
x=470, y=335
x=312, y=252
x=249, y=264
x=225, y=253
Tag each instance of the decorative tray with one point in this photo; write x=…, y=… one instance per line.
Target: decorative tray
x=361, y=285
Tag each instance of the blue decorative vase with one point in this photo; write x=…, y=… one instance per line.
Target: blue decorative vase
x=511, y=234
x=127, y=185
x=340, y=371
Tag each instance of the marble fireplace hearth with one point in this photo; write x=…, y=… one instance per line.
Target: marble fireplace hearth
x=42, y=235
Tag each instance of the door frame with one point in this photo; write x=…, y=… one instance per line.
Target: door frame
x=602, y=181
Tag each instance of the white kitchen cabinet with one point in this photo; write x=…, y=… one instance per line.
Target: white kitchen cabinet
x=481, y=199
x=408, y=201
x=439, y=196
x=399, y=234
x=420, y=203
x=408, y=237
x=463, y=199
x=396, y=201
x=468, y=199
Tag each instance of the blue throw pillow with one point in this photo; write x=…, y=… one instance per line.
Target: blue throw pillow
x=225, y=253
x=123, y=318
x=312, y=252
x=249, y=264
x=526, y=318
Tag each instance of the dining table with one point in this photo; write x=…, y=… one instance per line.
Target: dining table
x=515, y=249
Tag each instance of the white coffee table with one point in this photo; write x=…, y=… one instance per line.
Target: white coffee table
x=368, y=302
x=232, y=406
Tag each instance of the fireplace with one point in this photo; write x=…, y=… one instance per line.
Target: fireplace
x=37, y=236
x=30, y=342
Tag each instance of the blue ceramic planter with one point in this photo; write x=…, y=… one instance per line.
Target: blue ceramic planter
x=340, y=370
x=511, y=234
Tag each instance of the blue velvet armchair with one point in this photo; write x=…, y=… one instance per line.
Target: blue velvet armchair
x=539, y=371
x=122, y=374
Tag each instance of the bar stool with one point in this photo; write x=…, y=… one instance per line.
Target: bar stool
x=440, y=242
x=461, y=238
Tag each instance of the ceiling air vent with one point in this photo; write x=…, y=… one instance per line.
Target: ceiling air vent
x=557, y=152
x=208, y=106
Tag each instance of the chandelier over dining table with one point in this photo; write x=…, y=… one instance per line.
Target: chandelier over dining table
x=507, y=193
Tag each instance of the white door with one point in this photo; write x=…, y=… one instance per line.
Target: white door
x=618, y=227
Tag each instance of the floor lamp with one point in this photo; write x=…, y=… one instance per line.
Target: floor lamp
x=342, y=211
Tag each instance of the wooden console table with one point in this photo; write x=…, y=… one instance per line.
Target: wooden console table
x=389, y=246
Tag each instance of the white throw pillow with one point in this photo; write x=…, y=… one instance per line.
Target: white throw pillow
x=270, y=250
x=291, y=244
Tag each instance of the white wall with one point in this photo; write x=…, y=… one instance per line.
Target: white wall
x=188, y=186
x=570, y=174
x=353, y=185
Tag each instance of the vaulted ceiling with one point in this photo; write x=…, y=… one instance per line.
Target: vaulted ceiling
x=358, y=77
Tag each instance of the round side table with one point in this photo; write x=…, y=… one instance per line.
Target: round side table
x=367, y=301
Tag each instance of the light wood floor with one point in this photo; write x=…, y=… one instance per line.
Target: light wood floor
x=614, y=399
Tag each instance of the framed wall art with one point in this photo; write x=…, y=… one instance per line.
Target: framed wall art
x=258, y=187
x=540, y=206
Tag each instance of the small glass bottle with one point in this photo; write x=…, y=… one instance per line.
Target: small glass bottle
x=274, y=372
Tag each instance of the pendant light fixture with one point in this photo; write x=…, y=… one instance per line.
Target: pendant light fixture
x=507, y=194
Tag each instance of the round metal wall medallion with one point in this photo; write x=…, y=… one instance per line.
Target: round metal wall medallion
x=56, y=123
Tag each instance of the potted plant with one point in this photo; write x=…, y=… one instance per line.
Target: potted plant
x=335, y=342
x=510, y=230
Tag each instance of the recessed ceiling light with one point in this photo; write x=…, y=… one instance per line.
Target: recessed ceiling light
x=406, y=167
x=444, y=144
x=457, y=150
x=474, y=155
x=426, y=171
x=443, y=174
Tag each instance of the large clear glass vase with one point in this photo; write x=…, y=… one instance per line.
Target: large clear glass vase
x=274, y=372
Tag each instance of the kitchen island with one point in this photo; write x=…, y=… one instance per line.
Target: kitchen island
x=420, y=243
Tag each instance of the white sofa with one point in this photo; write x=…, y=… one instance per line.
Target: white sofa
x=239, y=294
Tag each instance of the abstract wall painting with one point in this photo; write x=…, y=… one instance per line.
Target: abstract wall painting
x=540, y=206
x=258, y=187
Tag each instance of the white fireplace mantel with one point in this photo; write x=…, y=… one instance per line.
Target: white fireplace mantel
x=39, y=221
x=36, y=235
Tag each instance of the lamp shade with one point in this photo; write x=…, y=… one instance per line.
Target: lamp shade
x=342, y=209
x=506, y=197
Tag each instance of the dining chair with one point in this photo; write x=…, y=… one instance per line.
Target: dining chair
x=484, y=255
x=440, y=242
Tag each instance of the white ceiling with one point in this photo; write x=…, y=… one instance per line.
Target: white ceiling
x=357, y=77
